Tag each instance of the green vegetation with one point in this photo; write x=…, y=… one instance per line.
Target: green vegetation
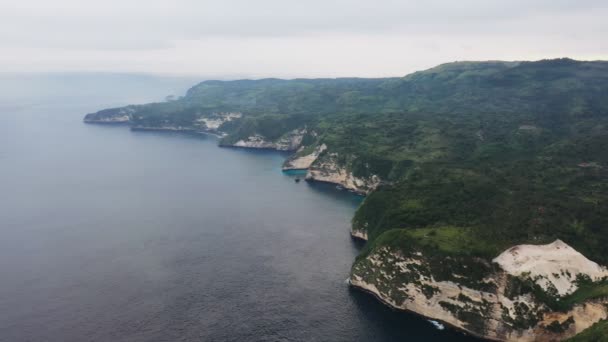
x=558, y=327
x=587, y=290
x=474, y=157
x=597, y=333
x=514, y=152
x=445, y=250
x=448, y=240
x=525, y=317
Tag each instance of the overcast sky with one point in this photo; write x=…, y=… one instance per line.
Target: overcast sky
x=292, y=38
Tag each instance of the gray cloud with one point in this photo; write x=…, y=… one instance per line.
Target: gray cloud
x=187, y=36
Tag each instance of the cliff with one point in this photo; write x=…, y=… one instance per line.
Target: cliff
x=213, y=123
x=482, y=298
x=303, y=160
x=360, y=234
x=328, y=169
x=290, y=141
x=554, y=267
x=466, y=159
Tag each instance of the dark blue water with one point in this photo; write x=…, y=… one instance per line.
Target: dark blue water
x=113, y=235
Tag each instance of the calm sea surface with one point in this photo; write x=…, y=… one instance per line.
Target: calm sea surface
x=113, y=235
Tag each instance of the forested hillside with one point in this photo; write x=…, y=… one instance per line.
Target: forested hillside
x=473, y=157
x=516, y=150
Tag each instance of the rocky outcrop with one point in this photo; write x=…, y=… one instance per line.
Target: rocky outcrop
x=255, y=141
x=290, y=141
x=553, y=266
x=111, y=116
x=163, y=128
x=358, y=230
x=301, y=161
x=212, y=123
x=329, y=170
x=359, y=234
x=487, y=306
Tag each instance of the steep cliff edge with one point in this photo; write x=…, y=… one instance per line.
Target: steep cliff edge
x=304, y=158
x=498, y=301
x=467, y=159
x=329, y=169
x=289, y=141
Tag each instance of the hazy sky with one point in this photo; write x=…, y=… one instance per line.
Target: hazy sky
x=292, y=38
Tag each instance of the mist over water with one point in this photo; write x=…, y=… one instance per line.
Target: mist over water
x=113, y=235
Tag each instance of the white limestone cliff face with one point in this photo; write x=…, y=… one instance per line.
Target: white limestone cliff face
x=359, y=230
x=289, y=142
x=330, y=171
x=163, y=128
x=483, y=309
x=213, y=122
x=255, y=141
x=555, y=265
x=303, y=162
x=359, y=234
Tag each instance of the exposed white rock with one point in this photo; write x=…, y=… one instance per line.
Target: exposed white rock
x=288, y=142
x=390, y=266
x=217, y=119
x=555, y=264
x=305, y=161
x=254, y=141
x=292, y=140
x=360, y=234
x=330, y=171
x=163, y=128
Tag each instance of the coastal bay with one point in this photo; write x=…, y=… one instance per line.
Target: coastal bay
x=112, y=234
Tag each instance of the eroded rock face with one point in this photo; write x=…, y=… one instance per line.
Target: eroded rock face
x=553, y=266
x=163, y=128
x=214, y=121
x=291, y=141
x=330, y=171
x=443, y=288
x=359, y=234
x=303, y=162
x=255, y=141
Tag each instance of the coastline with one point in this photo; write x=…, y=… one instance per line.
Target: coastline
x=355, y=235
x=354, y=191
x=285, y=169
x=105, y=122
x=451, y=182
x=163, y=129
x=252, y=148
x=390, y=306
x=192, y=131
x=358, y=235
x=189, y=131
